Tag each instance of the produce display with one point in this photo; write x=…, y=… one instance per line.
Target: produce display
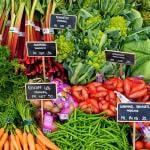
x=89, y=87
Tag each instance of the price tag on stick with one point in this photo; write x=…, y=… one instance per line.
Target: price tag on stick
x=133, y=112
x=41, y=49
x=59, y=21
x=40, y=91
x=121, y=58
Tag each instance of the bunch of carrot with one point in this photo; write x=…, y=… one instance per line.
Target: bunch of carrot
x=25, y=141
x=98, y=97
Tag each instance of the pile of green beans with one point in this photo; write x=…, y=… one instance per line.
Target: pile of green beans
x=91, y=132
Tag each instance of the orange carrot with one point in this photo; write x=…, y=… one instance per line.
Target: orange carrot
x=18, y=142
x=13, y=139
x=19, y=134
x=47, y=142
x=38, y=147
x=31, y=142
x=3, y=140
x=25, y=141
x=41, y=144
x=6, y=145
x=1, y=132
x=11, y=145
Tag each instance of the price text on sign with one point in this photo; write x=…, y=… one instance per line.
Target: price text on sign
x=59, y=21
x=120, y=57
x=39, y=49
x=133, y=112
x=40, y=91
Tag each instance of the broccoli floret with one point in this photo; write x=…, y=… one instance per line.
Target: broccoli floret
x=65, y=47
x=118, y=23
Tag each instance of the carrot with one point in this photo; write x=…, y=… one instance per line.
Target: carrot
x=18, y=142
x=19, y=134
x=38, y=147
x=138, y=94
x=11, y=145
x=40, y=132
x=42, y=146
x=31, y=142
x=3, y=140
x=6, y=145
x=13, y=139
x=1, y=131
x=47, y=142
x=25, y=141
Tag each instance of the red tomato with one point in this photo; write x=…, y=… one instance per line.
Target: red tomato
x=139, y=145
x=147, y=145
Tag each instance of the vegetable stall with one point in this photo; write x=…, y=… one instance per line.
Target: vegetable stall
x=59, y=88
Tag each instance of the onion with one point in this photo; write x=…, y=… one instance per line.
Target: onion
x=54, y=127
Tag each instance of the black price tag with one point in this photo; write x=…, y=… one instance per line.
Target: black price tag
x=39, y=49
x=59, y=21
x=40, y=91
x=120, y=57
x=133, y=112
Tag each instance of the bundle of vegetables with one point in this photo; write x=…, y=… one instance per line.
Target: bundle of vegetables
x=95, y=98
x=17, y=126
x=26, y=24
x=88, y=131
x=98, y=97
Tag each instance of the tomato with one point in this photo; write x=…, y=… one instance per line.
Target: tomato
x=139, y=145
x=147, y=145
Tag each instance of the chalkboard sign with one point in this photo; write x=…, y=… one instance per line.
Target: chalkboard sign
x=120, y=57
x=59, y=21
x=40, y=91
x=39, y=49
x=133, y=112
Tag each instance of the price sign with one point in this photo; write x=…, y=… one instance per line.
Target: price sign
x=120, y=57
x=59, y=21
x=40, y=91
x=133, y=112
x=39, y=49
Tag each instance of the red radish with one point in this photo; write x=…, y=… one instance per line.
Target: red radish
x=84, y=93
x=127, y=87
x=138, y=94
x=105, y=106
x=139, y=145
x=147, y=145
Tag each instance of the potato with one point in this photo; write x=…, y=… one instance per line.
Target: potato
x=48, y=105
x=55, y=109
x=36, y=103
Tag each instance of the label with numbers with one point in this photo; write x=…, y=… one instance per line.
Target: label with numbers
x=133, y=112
x=39, y=49
x=59, y=21
x=40, y=91
x=120, y=57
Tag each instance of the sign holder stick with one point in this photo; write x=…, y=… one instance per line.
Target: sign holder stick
x=121, y=70
x=134, y=135
x=42, y=104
